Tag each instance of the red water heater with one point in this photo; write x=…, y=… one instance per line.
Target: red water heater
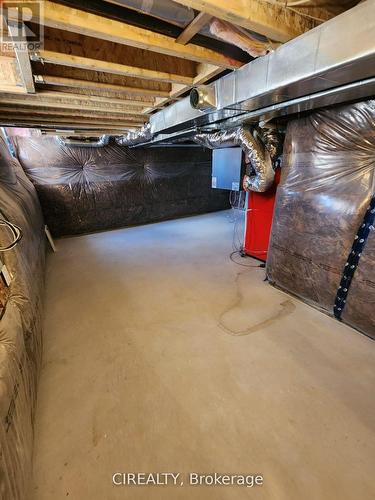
x=259, y=213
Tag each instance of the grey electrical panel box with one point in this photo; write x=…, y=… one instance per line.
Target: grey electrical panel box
x=228, y=168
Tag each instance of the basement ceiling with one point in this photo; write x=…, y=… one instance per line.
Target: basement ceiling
x=108, y=65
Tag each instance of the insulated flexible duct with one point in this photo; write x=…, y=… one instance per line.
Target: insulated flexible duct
x=256, y=153
x=273, y=139
x=239, y=37
x=84, y=142
x=137, y=137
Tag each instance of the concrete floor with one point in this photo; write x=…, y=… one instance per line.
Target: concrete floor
x=162, y=355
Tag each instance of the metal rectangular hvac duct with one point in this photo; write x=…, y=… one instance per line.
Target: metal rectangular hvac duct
x=338, y=53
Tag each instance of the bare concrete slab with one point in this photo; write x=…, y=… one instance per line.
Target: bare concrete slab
x=162, y=355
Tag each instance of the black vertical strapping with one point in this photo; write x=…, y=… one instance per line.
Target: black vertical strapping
x=353, y=259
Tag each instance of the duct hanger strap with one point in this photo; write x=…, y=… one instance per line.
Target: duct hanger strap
x=353, y=259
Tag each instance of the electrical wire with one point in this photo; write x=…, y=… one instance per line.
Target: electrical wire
x=237, y=202
x=239, y=229
x=243, y=255
x=238, y=211
x=16, y=235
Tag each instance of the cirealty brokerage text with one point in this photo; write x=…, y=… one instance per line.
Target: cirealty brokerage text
x=189, y=479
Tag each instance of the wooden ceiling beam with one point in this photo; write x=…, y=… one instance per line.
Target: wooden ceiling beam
x=10, y=78
x=70, y=105
x=65, y=42
x=193, y=28
x=97, y=86
x=55, y=113
x=134, y=101
x=13, y=89
x=7, y=120
x=267, y=18
x=319, y=11
x=77, y=132
x=75, y=20
x=67, y=130
x=47, y=56
x=60, y=100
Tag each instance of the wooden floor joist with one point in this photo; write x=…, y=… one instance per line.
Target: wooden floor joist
x=84, y=129
x=55, y=113
x=319, y=11
x=193, y=28
x=134, y=101
x=57, y=100
x=10, y=78
x=47, y=56
x=65, y=42
x=33, y=106
x=78, y=132
x=97, y=86
x=9, y=120
x=267, y=18
x=14, y=89
x=75, y=20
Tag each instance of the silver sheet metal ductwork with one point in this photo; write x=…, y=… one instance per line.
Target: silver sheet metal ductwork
x=321, y=67
x=256, y=153
x=203, y=97
x=137, y=137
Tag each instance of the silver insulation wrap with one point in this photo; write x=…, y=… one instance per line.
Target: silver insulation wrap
x=137, y=137
x=273, y=140
x=255, y=152
x=83, y=142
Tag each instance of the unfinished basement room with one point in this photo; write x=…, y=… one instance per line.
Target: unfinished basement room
x=187, y=250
